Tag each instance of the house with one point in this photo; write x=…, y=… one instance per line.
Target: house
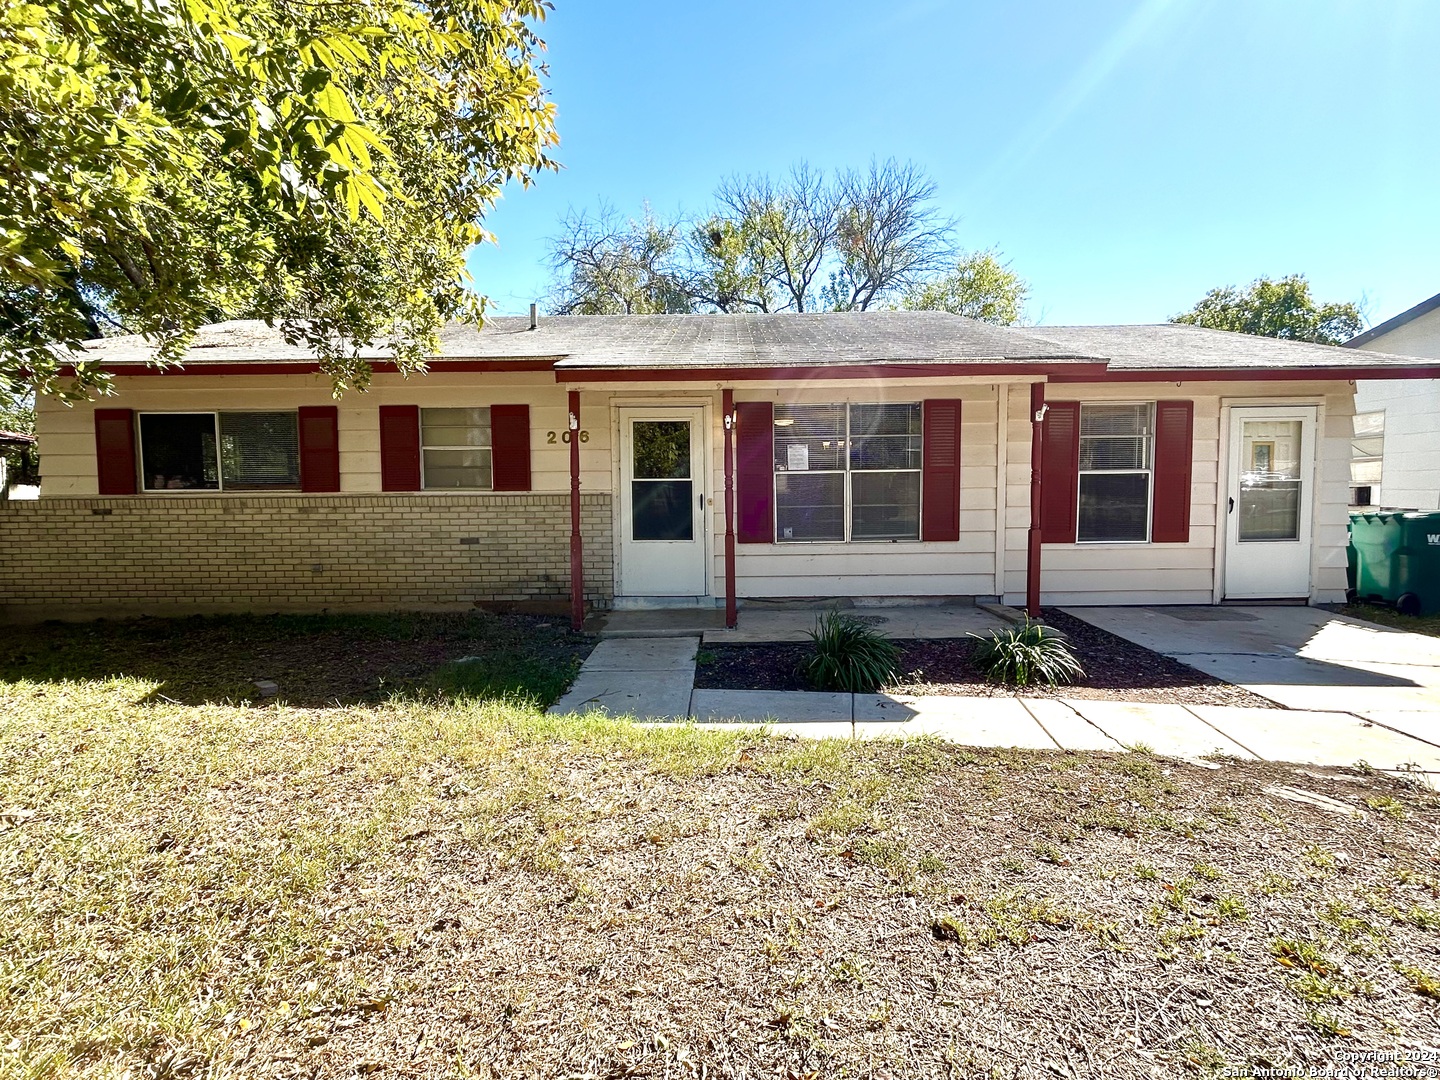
x=1398, y=421
x=11, y=440
x=708, y=460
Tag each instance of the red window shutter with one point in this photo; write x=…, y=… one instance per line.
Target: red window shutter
x=1174, y=450
x=319, y=448
x=510, y=447
x=399, y=447
x=940, y=471
x=115, y=451
x=755, y=471
x=1059, y=472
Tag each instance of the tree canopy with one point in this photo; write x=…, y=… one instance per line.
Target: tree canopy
x=804, y=241
x=1280, y=308
x=979, y=285
x=323, y=166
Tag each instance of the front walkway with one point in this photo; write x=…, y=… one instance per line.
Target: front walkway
x=1301, y=657
x=651, y=680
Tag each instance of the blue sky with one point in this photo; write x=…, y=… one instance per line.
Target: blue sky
x=1125, y=155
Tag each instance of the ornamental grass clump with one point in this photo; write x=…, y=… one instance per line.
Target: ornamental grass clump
x=850, y=655
x=1027, y=654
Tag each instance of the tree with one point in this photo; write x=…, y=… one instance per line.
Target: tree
x=765, y=245
x=606, y=265
x=1281, y=309
x=785, y=230
x=979, y=285
x=320, y=165
x=889, y=236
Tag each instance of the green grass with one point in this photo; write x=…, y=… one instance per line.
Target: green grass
x=1416, y=624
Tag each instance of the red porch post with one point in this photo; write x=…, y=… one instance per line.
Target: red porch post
x=727, y=404
x=577, y=552
x=1037, y=445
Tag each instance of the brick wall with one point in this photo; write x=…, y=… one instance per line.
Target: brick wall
x=83, y=558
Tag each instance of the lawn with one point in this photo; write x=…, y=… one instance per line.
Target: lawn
x=1416, y=624
x=449, y=883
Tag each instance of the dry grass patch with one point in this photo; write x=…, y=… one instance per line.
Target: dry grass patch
x=474, y=889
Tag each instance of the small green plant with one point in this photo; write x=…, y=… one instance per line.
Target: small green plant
x=850, y=655
x=1026, y=654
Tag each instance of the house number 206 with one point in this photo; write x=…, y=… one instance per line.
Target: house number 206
x=553, y=437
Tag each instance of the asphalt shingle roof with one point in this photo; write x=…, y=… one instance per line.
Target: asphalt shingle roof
x=617, y=342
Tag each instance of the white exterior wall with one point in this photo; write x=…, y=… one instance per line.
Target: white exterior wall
x=1189, y=573
x=67, y=433
x=1410, y=477
x=988, y=559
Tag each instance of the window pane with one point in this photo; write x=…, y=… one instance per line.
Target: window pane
x=661, y=449
x=1114, y=506
x=810, y=507
x=1269, y=509
x=809, y=438
x=885, y=506
x=1111, y=452
x=1115, y=419
x=660, y=509
x=455, y=427
x=885, y=436
x=457, y=469
x=178, y=451
x=259, y=450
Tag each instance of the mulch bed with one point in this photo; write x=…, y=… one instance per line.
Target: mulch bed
x=1115, y=669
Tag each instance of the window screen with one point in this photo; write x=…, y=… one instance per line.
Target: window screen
x=455, y=449
x=228, y=451
x=259, y=450
x=847, y=472
x=1116, y=448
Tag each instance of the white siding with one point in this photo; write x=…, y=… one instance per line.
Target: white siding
x=1179, y=573
x=67, y=433
x=1411, y=465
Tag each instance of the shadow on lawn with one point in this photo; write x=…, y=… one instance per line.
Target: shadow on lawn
x=315, y=660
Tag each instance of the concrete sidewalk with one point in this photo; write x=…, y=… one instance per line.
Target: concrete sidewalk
x=651, y=680
x=1301, y=657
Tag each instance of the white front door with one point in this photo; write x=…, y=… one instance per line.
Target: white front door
x=1268, y=518
x=662, y=502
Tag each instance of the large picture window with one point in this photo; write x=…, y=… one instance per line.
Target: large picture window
x=1116, y=456
x=455, y=450
x=847, y=472
x=225, y=451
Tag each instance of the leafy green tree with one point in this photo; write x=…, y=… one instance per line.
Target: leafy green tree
x=1281, y=309
x=320, y=165
x=979, y=285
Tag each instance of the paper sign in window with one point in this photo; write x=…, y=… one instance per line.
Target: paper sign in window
x=797, y=457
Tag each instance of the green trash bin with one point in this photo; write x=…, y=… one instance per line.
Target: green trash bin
x=1397, y=559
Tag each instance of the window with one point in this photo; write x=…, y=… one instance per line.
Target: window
x=228, y=451
x=1367, y=449
x=1116, y=451
x=455, y=449
x=847, y=472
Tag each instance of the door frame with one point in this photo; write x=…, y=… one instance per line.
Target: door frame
x=704, y=476
x=1225, y=473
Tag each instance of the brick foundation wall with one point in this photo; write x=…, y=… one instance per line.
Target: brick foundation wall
x=84, y=558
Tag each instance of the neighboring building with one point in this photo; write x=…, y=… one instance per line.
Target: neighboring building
x=11, y=440
x=699, y=460
x=1403, y=415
